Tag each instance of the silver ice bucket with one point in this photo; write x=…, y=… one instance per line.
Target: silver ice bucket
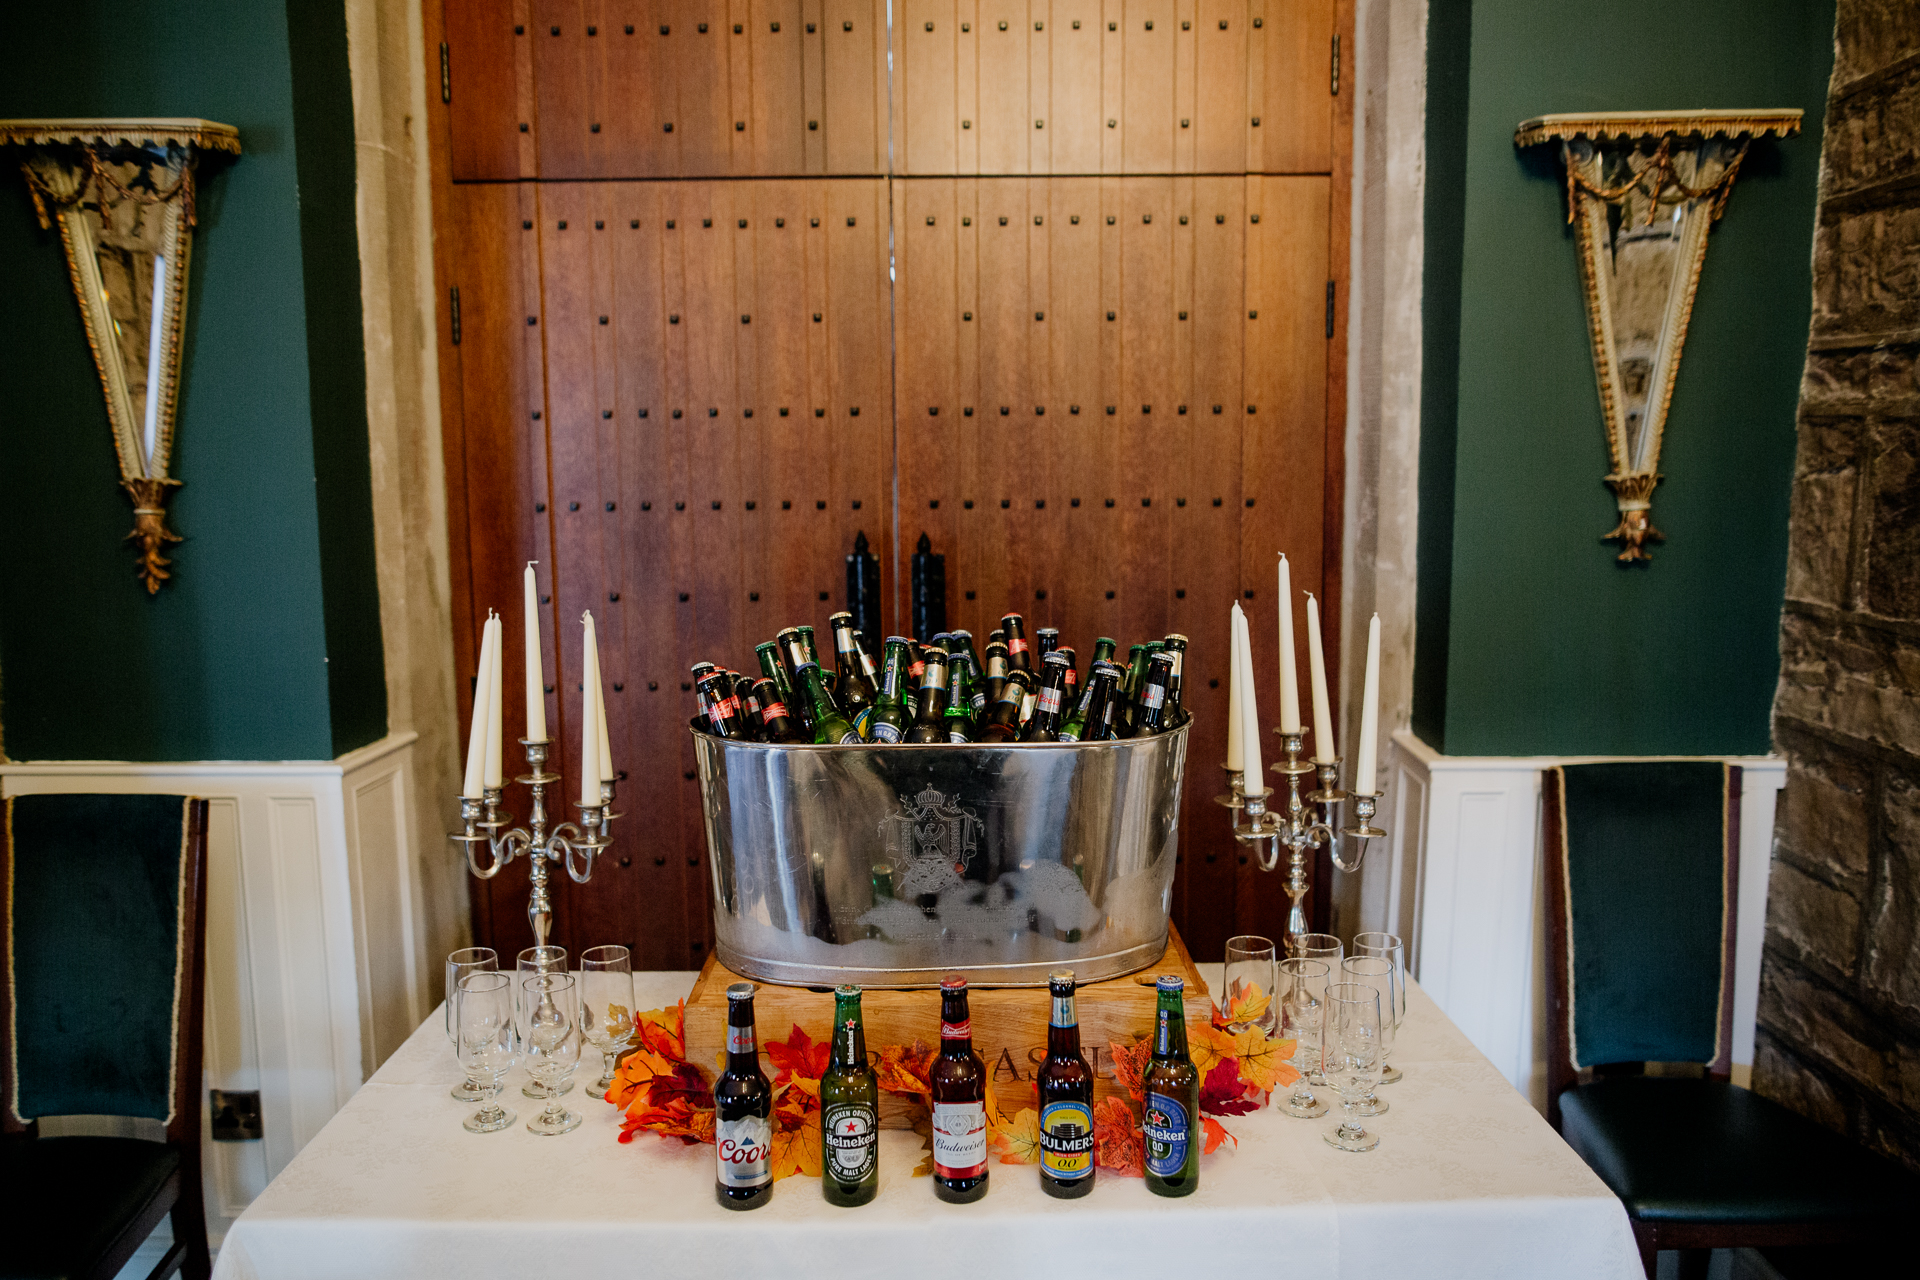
x=890, y=866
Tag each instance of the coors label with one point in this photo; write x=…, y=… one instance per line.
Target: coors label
x=745, y=1149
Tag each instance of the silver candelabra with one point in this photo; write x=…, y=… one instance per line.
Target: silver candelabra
x=1266, y=831
x=574, y=846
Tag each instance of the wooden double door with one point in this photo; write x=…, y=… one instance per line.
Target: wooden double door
x=1059, y=292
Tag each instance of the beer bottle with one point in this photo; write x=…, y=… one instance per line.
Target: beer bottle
x=889, y=723
x=1003, y=722
x=1102, y=652
x=867, y=664
x=919, y=652
x=928, y=721
x=717, y=713
x=743, y=693
x=1152, y=714
x=1073, y=677
x=807, y=648
x=701, y=670
x=1177, y=646
x=791, y=653
x=776, y=718
x=1026, y=703
x=1094, y=722
x=962, y=642
x=768, y=655
x=1044, y=724
x=743, y=1112
x=1066, y=1099
x=997, y=666
x=1135, y=677
x=1045, y=641
x=855, y=693
x=959, y=1085
x=1018, y=657
x=849, y=1110
x=958, y=719
x=829, y=726
x=1170, y=1130
x=1104, y=648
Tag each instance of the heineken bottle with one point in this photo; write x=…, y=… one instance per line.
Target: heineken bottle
x=1104, y=648
x=958, y=1082
x=1170, y=1129
x=743, y=1112
x=929, y=720
x=958, y=719
x=975, y=681
x=1151, y=714
x=1003, y=721
x=855, y=692
x=889, y=722
x=1018, y=655
x=1044, y=724
x=962, y=642
x=849, y=1110
x=1065, y=1084
x=829, y=726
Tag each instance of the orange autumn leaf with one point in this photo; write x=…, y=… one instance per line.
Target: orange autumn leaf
x=796, y=1102
x=797, y=1055
x=1207, y=1045
x=664, y=1031
x=634, y=1073
x=1129, y=1061
x=1018, y=1140
x=1263, y=1061
x=1246, y=1003
x=1116, y=1138
x=1216, y=1134
x=796, y=1150
x=903, y=1068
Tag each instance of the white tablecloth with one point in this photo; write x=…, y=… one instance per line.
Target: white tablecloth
x=1468, y=1180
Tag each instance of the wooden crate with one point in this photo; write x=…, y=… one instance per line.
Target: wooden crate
x=1009, y=1023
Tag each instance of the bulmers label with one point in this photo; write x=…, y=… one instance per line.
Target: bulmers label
x=1165, y=1129
x=852, y=1140
x=744, y=1148
x=1066, y=1140
x=959, y=1139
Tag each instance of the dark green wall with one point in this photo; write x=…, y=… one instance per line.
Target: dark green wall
x=266, y=643
x=1531, y=638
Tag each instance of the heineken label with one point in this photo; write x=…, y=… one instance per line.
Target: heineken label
x=881, y=731
x=1165, y=1131
x=959, y=1139
x=1066, y=1140
x=954, y=735
x=744, y=1148
x=852, y=1139
x=851, y=737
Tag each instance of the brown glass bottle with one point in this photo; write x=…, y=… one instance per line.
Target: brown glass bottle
x=929, y=719
x=718, y=715
x=1152, y=712
x=776, y=718
x=1019, y=656
x=1048, y=707
x=1003, y=720
x=854, y=692
x=743, y=1112
x=1066, y=1099
x=959, y=1085
x=995, y=682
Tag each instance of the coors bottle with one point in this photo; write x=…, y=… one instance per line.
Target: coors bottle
x=743, y=1112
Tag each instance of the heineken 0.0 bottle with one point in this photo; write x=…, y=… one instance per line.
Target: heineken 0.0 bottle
x=1170, y=1129
x=829, y=726
x=849, y=1110
x=890, y=715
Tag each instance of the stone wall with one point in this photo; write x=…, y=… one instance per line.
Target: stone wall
x=1839, y=1036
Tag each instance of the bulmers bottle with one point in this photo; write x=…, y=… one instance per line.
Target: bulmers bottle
x=959, y=1086
x=849, y=1110
x=1170, y=1129
x=1066, y=1099
x=743, y=1112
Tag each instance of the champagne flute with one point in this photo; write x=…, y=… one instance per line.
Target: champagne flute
x=1325, y=948
x=1250, y=983
x=1375, y=972
x=459, y=964
x=1387, y=946
x=606, y=1006
x=1303, y=1008
x=489, y=1041
x=1353, y=1058
x=535, y=960
x=553, y=1046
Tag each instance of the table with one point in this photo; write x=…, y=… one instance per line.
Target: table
x=1468, y=1180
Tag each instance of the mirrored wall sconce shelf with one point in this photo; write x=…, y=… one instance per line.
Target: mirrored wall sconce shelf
x=123, y=194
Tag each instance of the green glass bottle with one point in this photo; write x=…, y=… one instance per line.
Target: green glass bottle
x=1130, y=690
x=1170, y=1130
x=829, y=725
x=849, y=1110
x=958, y=720
x=890, y=720
x=1104, y=648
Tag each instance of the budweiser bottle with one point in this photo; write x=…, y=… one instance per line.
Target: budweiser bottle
x=959, y=1085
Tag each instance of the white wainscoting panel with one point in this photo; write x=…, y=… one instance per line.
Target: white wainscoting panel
x=314, y=963
x=1463, y=885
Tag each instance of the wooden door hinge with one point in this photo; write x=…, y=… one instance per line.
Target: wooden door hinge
x=453, y=306
x=1335, y=90
x=456, y=312
x=446, y=74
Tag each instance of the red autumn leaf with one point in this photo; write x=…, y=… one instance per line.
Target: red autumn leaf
x=1128, y=1062
x=903, y=1068
x=1216, y=1134
x=1116, y=1138
x=1223, y=1094
x=797, y=1055
x=664, y=1031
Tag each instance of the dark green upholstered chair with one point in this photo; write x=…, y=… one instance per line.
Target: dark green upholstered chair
x=105, y=941
x=1642, y=867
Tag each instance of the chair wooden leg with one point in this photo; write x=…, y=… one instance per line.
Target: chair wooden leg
x=1694, y=1263
x=1644, y=1236
x=190, y=1230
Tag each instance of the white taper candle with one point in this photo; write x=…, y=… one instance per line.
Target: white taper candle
x=536, y=677
x=589, y=714
x=1233, y=687
x=1325, y=751
x=477, y=733
x=1289, y=674
x=1249, y=715
x=494, y=691
x=600, y=714
x=1369, y=758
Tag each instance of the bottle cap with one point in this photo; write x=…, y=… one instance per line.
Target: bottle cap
x=898, y=640
x=740, y=991
x=954, y=982
x=847, y=991
x=1060, y=977
x=1170, y=982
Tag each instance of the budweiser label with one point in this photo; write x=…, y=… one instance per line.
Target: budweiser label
x=740, y=1039
x=1016, y=644
x=959, y=1139
x=852, y=1140
x=957, y=1030
x=744, y=1148
x=773, y=711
